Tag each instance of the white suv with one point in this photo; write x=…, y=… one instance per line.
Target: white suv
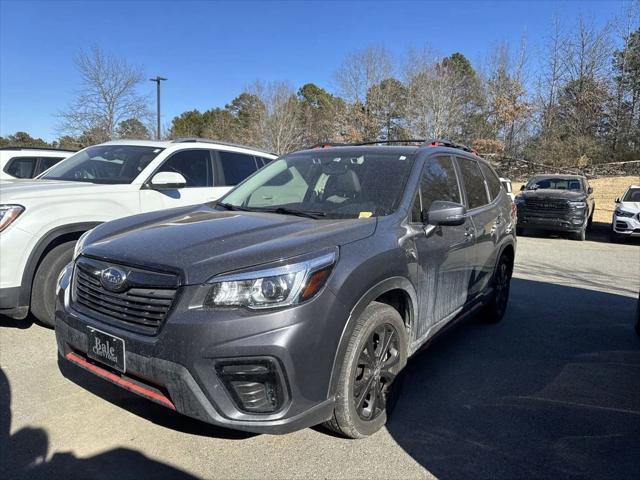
x=626, y=217
x=41, y=220
x=18, y=162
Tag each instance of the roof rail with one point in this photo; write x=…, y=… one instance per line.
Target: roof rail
x=218, y=142
x=362, y=144
x=53, y=149
x=441, y=142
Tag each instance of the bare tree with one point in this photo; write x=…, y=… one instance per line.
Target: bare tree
x=435, y=97
x=279, y=122
x=108, y=96
x=361, y=70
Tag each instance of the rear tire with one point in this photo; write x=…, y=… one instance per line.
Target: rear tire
x=496, y=308
x=376, y=353
x=43, y=292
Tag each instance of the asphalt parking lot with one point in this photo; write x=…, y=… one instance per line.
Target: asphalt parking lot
x=553, y=391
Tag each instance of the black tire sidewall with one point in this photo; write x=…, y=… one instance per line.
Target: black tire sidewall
x=374, y=315
x=43, y=293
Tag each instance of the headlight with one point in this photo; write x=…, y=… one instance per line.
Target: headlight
x=578, y=204
x=623, y=213
x=8, y=213
x=80, y=244
x=274, y=287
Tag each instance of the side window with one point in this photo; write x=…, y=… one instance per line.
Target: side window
x=439, y=182
x=21, y=167
x=262, y=161
x=234, y=167
x=193, y=165
x=47, y=162
x=493, y=182
x=473, y=183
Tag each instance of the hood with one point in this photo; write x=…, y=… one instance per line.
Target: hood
x=12, y=190
x=548, y=194
x=199, y=242
x=633, y=207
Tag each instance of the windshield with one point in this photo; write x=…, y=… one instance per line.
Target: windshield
x=334, y=184
x=104, y=164
x=632, y=195
x=555, y=183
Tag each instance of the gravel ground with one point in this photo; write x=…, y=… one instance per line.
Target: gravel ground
x=550, y=392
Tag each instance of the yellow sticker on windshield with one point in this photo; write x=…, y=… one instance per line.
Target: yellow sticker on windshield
x=365, y=214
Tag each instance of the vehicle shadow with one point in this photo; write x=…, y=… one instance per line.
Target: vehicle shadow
x=7, y=322
x=25, y=455
x=599, y=232
x=553, y=391
x=144, y=408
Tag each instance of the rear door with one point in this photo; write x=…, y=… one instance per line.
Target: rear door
x=231, y=168
x=488, y=220
x=445, y=256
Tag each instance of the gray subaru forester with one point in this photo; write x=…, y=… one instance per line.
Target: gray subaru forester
x=299, y=296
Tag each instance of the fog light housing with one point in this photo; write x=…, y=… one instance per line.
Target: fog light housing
x=255, y=385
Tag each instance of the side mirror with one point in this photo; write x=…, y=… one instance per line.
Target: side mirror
x=445, y=213
x=590, y=190
x=167, y=180
x=522, y=188
x=618, y=200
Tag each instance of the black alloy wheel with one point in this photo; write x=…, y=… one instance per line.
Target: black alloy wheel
x=375, y=372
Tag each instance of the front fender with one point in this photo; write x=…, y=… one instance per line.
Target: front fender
x=387, y=285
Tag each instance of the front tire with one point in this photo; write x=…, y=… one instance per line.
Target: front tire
x=497, y=306
x=43, y=293
x=581, y=236
x=376, y=353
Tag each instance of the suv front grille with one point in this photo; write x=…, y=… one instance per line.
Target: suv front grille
x=140, y=307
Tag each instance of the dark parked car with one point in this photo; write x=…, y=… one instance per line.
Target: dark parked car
x=560, y=203
x=297, y=298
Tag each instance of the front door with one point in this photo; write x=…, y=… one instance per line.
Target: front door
x=445, y=253
x=196, y=166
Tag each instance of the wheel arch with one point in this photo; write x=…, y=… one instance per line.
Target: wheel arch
x=49, y=241
x=397, y=292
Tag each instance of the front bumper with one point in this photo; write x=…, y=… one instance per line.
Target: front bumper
x=572, y=222
x=179, y=363
x=10, y=303
x=628, y=226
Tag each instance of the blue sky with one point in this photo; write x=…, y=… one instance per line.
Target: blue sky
x=211, y=50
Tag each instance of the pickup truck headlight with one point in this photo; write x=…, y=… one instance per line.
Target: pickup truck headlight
x=281, y=286
x=80, y=244
x=8, y=213
x=578, y=205
x=623, y=213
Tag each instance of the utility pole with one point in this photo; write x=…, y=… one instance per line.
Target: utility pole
x=158, y=79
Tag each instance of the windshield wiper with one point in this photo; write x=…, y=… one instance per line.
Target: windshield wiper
x=291, y=211
x=228, y=206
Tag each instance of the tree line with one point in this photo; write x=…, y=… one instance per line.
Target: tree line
x=573, y=100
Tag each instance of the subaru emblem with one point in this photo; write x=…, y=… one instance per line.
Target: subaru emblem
x=113, y=279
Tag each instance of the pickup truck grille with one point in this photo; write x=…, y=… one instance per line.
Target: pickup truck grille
x=534, y=205
x=141, y=307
